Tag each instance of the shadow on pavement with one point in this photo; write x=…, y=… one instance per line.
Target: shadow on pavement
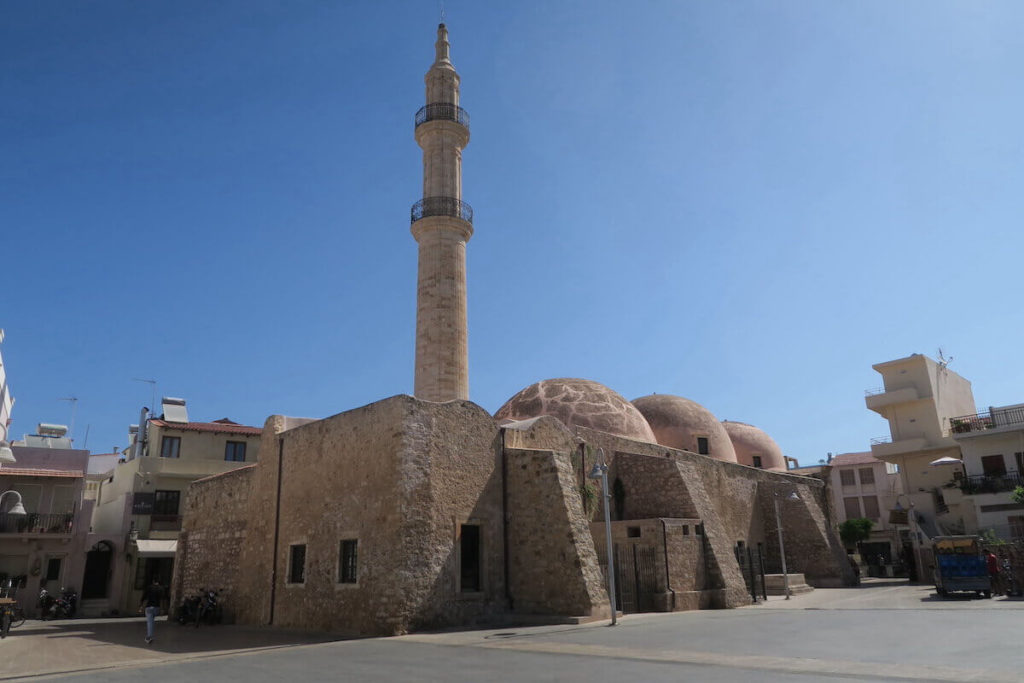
x=46, y=647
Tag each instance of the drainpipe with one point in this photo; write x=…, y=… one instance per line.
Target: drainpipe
x=504, y=520
x=668, y=577
x=277, y=529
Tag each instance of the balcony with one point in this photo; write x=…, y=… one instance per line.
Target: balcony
x=442, y=111
x=877, y=399
x=884, y=447
x=985, y=483
x=165, y=523
x=37, y=524
x=442, y=206
x=993, y=418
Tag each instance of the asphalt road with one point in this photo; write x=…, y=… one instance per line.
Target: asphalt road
x=883, y=632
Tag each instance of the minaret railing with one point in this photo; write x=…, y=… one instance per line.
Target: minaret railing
x=442, y=206
x=442, y=111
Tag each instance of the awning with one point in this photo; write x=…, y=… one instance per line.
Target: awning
x=156, y=548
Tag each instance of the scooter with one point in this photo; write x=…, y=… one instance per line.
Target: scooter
x=1013, y=587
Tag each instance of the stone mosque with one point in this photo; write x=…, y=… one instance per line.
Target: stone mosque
x=423, y=511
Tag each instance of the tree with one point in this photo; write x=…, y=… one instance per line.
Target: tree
x=1018, y=495
x=853, y=531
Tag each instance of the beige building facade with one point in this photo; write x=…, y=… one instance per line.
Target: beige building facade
x=992, y=443
x=918, y=399
x=140, y=502
x=865, y=487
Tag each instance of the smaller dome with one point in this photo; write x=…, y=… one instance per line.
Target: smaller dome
x=678, y=422
x=579, y=403
x=751, y=442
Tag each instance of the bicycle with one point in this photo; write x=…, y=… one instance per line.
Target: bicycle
x=11, y=616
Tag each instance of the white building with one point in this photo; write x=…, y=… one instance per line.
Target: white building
x=992, y=444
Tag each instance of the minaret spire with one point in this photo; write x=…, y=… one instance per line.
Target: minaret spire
x=442, y=225
x=442, y=47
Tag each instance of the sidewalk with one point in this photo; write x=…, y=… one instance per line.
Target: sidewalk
x=47, y=647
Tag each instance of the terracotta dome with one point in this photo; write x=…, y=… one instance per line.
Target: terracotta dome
x=581, y=403
x=677, y=422
x=750, y=442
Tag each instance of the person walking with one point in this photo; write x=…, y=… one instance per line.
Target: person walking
x=993, y=573
x=151, y=599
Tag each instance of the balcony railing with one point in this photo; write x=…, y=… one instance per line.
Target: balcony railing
x=879, y=440
x=984, y=483
x=442, y=111
x=165, y=523
x=442, y=206
x=990, y=419
x=874, y=391
x=36, y=523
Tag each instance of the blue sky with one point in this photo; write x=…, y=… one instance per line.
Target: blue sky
x=743, y=203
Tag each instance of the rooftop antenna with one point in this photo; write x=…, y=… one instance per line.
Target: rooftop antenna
x=440, y=6
x=74, y=411
x=152, y=384
x=943, y=361
x=85, y=441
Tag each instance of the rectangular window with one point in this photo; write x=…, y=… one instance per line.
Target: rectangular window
x=53, y=569
x=1016, y=527
x=993, y=465
x=347, y=558
x=702, y=445
x=170, y=447
x=234, y=451
x=166, y=502
x=297, y=564
x=469, y=558
x=852, y=507
x=757, y=461
x=867, y=476
x=846, y=478
x=1019, y=457
x=871, y=508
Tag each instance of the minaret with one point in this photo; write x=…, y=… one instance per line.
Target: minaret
x=442, y=224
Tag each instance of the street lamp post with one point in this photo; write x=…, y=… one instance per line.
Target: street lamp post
x=600, y=471
x=782, y=547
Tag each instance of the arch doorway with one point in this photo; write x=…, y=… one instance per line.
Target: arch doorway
x=97, y=571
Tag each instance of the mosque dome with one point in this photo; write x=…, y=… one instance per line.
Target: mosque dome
x=581, y=403
x=678, y=422
x=750, y=442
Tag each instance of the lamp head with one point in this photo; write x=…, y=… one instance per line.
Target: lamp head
x=17, y=510
x=597, y=471
x=792, y=496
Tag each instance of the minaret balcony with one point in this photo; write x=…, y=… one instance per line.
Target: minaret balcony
x=442, y=206
x=442, y=111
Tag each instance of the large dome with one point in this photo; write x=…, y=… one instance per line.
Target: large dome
x=578, y=402
x=678, y=422
x=750, y=442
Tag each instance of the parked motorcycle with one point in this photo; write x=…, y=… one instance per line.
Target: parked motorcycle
x=62, y=607
x=209, y=607
x=68, y=602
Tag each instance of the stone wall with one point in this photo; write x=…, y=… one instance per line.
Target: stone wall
x=735, y=503
x=399, y=477
x=216, y=516
x=553, y=567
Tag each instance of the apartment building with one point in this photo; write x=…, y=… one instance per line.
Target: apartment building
x=143, y=497
x=42, y=542
x=992, y=444
x=865, y=487
x=918, y=399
